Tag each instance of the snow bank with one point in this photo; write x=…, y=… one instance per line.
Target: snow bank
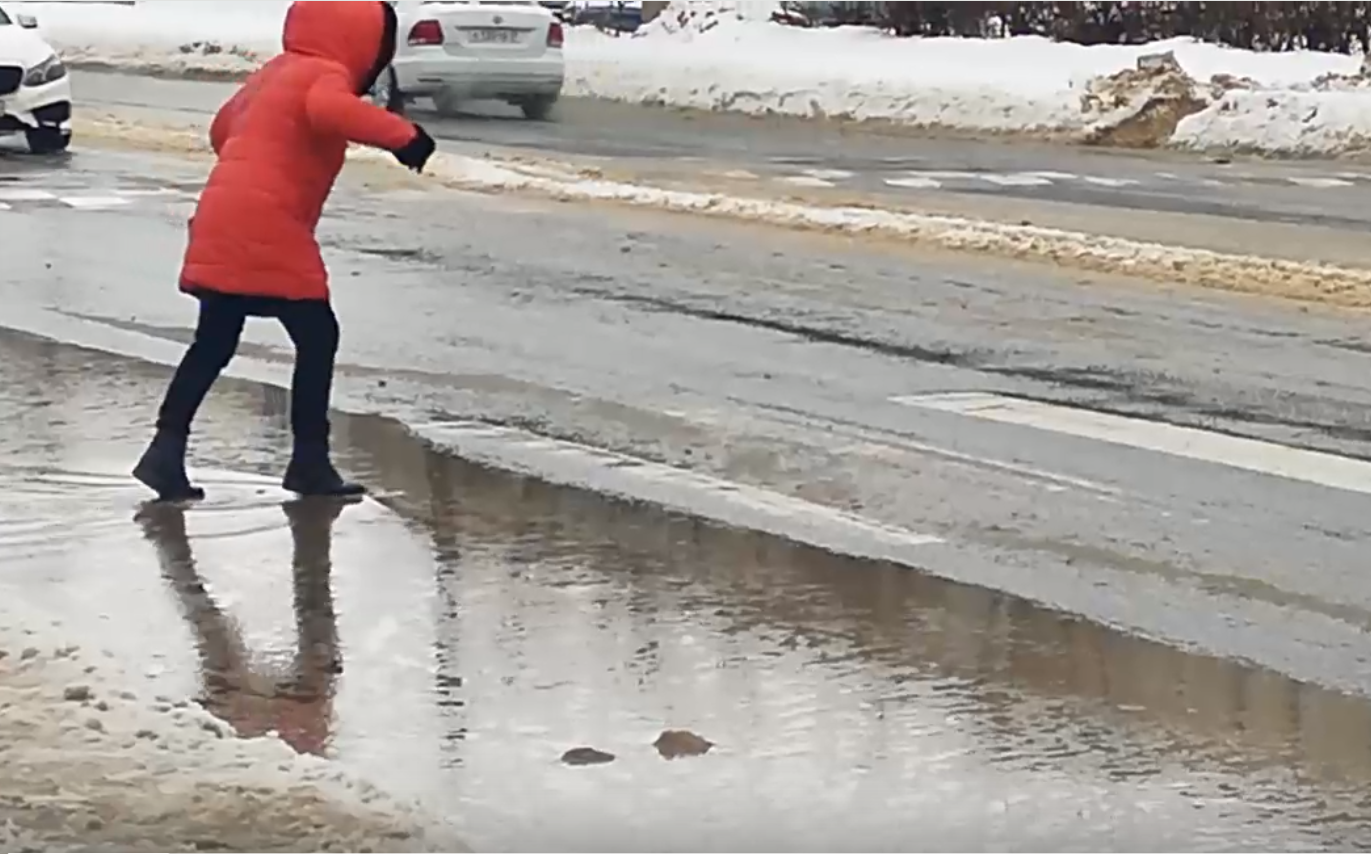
x=1312, y=282
x=87, y=764
x=1327, y=117
x=216, y=39
x=725, y=56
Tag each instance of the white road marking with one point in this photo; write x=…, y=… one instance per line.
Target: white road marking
x=89, y=203
x=829, y=174
x=5, y=207
x=700, y=495
x=908, y=447
x=1101, y=181
x=160, y=191
x=944, y=176
x=1016, y=180
x=24, y=194
x=806, y=181
x=1318, y=183
x=914, y=183
x=1055, y=176
x=1253, y=455
x=887, y=446
x=740, y=175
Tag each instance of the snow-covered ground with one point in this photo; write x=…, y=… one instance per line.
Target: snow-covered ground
x=726, y=56
x=91, y=760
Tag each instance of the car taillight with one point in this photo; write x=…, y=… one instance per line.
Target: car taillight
x=555, y=35
x=426, y=33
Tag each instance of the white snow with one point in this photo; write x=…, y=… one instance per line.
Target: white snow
x=214, y=37
x=89, y=761
x=726, y=56
x=997, y=84
x=1301, y=122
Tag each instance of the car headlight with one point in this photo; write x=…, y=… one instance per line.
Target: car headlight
x=47, y=71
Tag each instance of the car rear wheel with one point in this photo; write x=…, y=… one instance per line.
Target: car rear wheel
x=538, y=107
x=48, y=140
x=446, y=103
x=386, y=93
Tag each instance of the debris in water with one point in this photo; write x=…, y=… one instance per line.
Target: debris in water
x=679, y=744
x=77, y=694
x=583, y=756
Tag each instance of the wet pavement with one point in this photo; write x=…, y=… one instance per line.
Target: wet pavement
x=818, y=369
x=455, y=639
x=882, y=164
x=475, y=626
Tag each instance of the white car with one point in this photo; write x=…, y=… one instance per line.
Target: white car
x=457, y=51
x=35, y=92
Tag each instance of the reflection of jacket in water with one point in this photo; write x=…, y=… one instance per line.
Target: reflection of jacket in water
x=281, y=141
x=299, y=708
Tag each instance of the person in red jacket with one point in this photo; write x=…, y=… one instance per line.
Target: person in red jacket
x=280, y=143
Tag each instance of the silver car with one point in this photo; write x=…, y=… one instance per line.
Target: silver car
x=476, y=49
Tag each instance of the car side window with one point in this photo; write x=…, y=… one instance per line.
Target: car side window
x=4, y=19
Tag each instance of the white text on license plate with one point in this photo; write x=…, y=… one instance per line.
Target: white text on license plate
x=492, y=35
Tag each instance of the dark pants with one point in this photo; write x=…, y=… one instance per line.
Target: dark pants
x=312, y=327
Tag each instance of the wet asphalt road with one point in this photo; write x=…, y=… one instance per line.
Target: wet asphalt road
x=453, y=640
x=789, y=361
x=515, y=621
x=888, y=165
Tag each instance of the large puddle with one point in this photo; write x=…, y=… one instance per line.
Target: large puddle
x=457, y=638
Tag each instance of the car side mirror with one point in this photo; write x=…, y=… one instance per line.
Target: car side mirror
x=26, y=21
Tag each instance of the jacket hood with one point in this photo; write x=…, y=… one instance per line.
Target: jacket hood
x=360, y=36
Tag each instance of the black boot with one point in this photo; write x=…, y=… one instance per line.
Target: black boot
x=312, y=473
x=163, y=469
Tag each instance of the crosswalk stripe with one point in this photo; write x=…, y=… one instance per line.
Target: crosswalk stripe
x=95, y=202
x=1101, y=181
x=1318, y=183
x=934, y=179
x=25, y=194
x=1017, y=180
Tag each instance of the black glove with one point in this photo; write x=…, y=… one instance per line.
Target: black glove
x=415, y=153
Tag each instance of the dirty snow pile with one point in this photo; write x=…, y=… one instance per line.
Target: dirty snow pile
x=727, y=56
x=87, y=764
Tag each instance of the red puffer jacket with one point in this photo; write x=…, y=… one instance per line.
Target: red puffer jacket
x=281, y=141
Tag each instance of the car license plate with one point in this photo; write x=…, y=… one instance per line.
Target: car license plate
x=492, y=35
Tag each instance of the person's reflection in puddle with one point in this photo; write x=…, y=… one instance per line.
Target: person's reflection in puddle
x=298, y=706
